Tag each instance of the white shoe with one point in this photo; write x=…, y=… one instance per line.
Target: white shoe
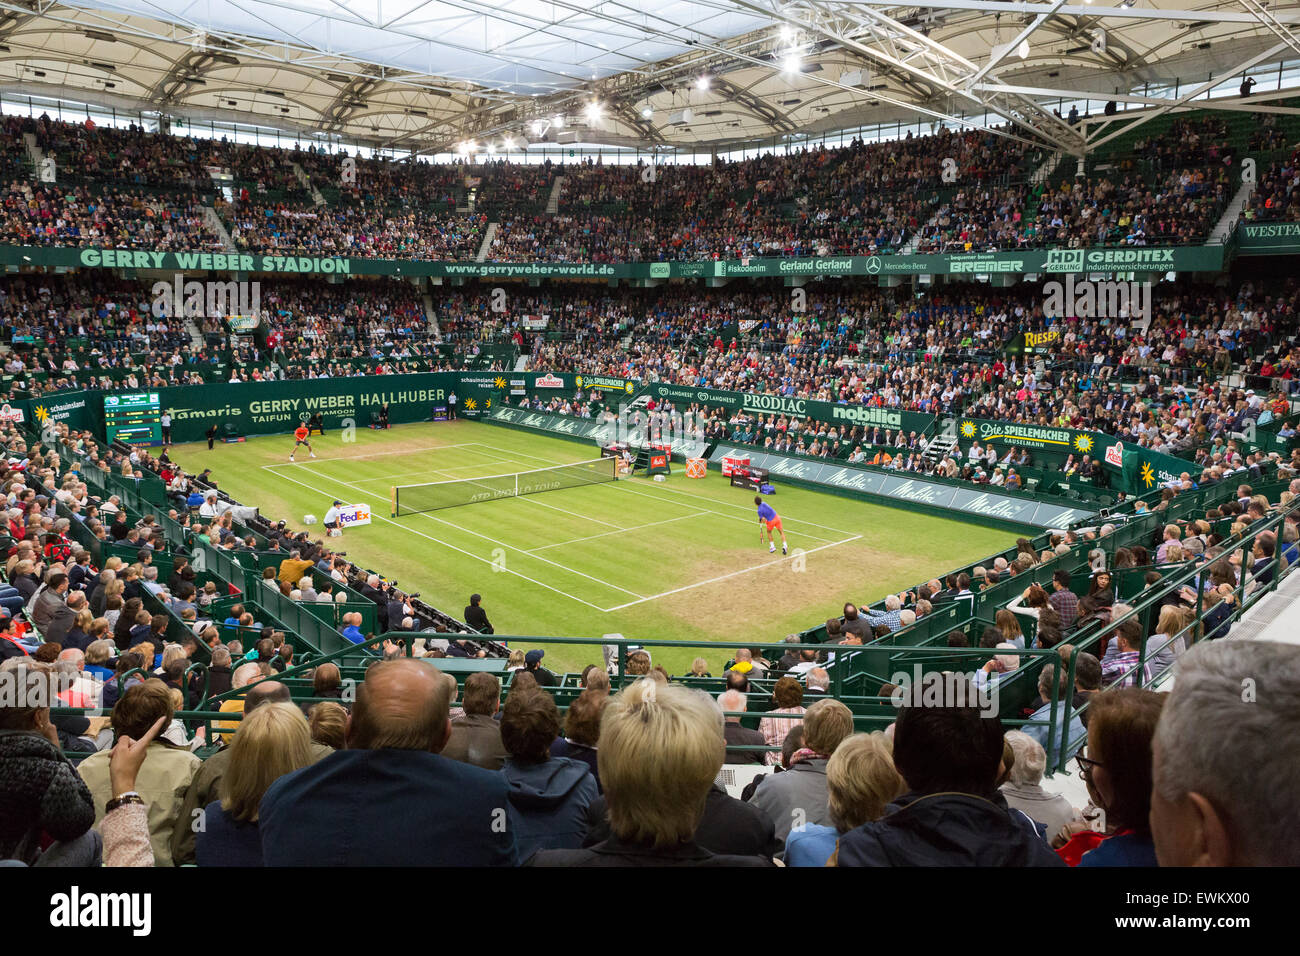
x=291, y=457
x=313, y=454
x=783, y=551
x=771, y=549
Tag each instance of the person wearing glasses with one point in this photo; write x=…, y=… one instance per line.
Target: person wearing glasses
x=1118, y=772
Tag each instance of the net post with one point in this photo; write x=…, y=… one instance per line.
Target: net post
x=392, y=500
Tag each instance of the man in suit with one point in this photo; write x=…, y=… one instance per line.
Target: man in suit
x=50, y=611
x=392, y=763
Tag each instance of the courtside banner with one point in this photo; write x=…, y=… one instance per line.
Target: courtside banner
x=1019, y=262
x=354, y=515
x=906, y=488
x=758, y=403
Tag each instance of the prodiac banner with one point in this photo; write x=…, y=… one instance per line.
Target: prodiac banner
x=760, y=404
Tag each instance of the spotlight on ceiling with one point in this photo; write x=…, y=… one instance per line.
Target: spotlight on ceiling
x=593, y=111
x=1022, y=51
x=647, y=113
x=792, y=63
x=703, y=82
x=558, y=122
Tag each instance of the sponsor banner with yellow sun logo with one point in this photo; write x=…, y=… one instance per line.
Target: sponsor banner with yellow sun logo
x=1046, y=437
x=1145, y=470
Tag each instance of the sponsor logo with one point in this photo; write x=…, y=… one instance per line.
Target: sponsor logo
x=1064, y=260
x=1035, y=339
x=873, y=265
x=10, y=414
x=660, y=270
x=548, y=381
x=1115, y=454
x=863, y=415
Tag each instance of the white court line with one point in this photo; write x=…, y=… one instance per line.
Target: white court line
x=440, y=541
x=543, y=504
x=386, y=454
x=723, y=577
x=720, y=514
x=603, y=534
x=749, y=508
x=510, y=547
x=689, y=494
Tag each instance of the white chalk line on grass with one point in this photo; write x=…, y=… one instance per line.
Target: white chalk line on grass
x=498, y=542
x=721, y=514
x=639, y=527
x=511, y=547
x=382, y=454
x=445, y=544
x=724, y=577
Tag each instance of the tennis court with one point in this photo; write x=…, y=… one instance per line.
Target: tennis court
x=678, y=559
x=608, y=545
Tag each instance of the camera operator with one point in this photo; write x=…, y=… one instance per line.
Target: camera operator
x=399, y=608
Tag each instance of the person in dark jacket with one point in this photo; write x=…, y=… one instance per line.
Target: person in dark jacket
x=734, y=702
x=42, y=797
x=533, y=665
x=391, y=765
x=476, y=737
x=661, y=747
x=582, y=731
x=476, y=617
x=949, y=752
x=549, y=796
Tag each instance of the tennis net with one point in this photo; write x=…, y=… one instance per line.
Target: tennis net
x=432, y=496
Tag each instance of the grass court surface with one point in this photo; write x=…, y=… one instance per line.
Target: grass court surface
x=675, y=560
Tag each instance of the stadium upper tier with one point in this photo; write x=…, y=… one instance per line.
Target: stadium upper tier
x=947, y=192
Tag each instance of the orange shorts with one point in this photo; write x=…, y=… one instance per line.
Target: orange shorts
x=775, y=523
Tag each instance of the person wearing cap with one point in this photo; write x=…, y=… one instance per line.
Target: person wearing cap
x=476, y=617
x=332, y=516
x=533, y=665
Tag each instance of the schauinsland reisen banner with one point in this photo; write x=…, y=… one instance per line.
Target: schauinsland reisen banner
x=1126, y=259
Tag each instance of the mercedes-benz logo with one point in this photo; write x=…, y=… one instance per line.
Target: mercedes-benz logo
x=873, y=265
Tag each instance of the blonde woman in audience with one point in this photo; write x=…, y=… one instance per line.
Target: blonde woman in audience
x=272, y=741
x=861, y=781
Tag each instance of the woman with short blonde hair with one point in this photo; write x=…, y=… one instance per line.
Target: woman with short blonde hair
x=661, y=747
x=328, y=722
x=271, y=741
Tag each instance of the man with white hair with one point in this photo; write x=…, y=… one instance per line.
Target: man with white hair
x=1023, y=790
x=151, y=580
x=734, y=703
x=1226, y=758
x=891, y=616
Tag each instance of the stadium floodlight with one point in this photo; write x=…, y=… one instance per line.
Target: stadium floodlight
x=507, y=143
x=492, y=149
x=593, y=111
x=1022, y=51
x=703, y=82
x=558, y=122
x=793, y=63
x=647, y=113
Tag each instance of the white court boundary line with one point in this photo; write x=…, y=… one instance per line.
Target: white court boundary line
x=499, y=543
x=513, y=456
x=733, y=574
x=639, y=527
x=440, y=541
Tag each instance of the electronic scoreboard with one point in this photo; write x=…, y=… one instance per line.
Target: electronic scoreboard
x=134, y=418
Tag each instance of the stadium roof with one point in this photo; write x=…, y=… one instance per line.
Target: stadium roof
x=425, y=75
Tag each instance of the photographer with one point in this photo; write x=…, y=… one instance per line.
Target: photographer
x=398, y=609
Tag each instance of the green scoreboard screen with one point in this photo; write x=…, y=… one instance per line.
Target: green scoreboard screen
x=133, y=418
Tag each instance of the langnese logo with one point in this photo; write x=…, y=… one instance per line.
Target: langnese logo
x=77, y=910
